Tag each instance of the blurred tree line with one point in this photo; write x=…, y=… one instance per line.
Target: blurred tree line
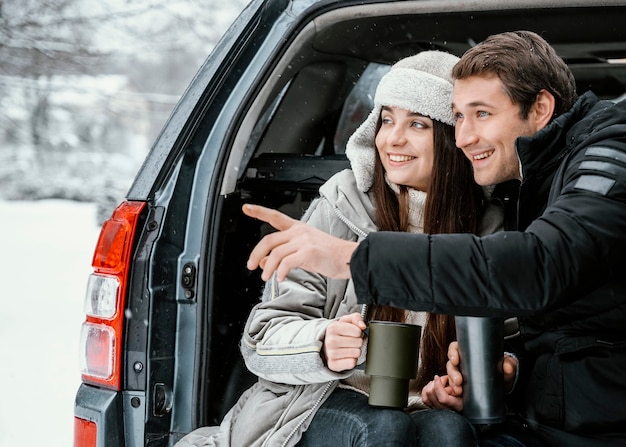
x=85, y=86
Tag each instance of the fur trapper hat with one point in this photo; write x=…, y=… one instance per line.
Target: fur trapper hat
x=421, y=84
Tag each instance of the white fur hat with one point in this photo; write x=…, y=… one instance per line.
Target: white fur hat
x=421, y=84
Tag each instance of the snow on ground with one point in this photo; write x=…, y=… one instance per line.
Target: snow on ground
x=45, y=257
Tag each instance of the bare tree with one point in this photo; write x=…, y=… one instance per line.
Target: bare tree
x=43, y=37
x=50, y=48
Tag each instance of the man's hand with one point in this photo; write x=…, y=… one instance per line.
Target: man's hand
x=446, y=391
x=343, y=342
x=509, y=368
x=297, y=245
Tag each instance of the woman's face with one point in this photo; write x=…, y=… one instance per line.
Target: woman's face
x=405, y=145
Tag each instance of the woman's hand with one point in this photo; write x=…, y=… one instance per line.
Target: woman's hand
x=438, y=393
x=343, y=342
x=446, y=391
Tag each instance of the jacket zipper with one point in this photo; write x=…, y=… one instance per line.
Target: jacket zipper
x=360, y=233
x=349, y=223
x=311, y=410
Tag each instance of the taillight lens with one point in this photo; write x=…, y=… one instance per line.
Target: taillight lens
x=102, y=296
x=85, y=433
x=101, y=333
x=99, y=359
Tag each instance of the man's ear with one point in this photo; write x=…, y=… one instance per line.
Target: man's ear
x=543, y=108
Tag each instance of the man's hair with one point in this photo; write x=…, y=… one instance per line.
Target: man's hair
x=526, y=64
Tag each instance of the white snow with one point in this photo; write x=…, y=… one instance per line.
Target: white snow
x=45, y=257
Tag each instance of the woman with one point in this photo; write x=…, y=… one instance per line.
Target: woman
x=305, y=339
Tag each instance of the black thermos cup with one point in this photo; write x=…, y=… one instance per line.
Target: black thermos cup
x=481, y=352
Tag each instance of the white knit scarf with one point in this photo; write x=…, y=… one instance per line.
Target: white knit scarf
x=417, y=200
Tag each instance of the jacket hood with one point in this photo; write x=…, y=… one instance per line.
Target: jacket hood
x=538, y=153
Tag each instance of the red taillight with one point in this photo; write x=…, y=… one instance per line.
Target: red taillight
x=101, y=334
x=85, y=433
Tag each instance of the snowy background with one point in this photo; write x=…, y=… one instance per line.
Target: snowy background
x=85, y=86
x=46, y=249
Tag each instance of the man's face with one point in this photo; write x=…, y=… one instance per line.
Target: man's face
x=487, y=125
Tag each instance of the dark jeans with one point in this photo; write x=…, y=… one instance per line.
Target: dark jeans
x=346, y=419
x=514, y=433
x=509, y=434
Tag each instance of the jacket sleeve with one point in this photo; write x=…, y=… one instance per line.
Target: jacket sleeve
x=283, y=337
x=576, y=246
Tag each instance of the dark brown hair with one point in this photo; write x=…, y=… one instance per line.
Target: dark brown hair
x=526, y=64
x=454, y=204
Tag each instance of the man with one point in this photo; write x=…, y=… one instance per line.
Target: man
x=559, y=163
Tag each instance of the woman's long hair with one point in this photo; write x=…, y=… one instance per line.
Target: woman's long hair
x=454, y=204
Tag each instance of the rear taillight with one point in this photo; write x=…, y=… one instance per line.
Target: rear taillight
x=85, y=433
x=101, y=334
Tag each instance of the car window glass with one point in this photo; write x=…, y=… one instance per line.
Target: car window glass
x=358, y=104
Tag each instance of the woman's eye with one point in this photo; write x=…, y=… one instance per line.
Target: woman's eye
x=418, y=124
x=482, y=114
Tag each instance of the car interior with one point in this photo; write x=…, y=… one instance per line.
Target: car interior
x=294, y=128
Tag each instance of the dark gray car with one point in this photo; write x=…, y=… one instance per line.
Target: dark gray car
x=264, y=121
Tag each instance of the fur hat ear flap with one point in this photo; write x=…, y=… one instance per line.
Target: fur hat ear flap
x=361, y=151
x=421, y=84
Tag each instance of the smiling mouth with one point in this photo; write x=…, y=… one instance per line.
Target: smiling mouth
x=483, y=155
x=400, y=158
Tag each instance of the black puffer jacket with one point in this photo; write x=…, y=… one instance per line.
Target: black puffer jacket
x=563, y=272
